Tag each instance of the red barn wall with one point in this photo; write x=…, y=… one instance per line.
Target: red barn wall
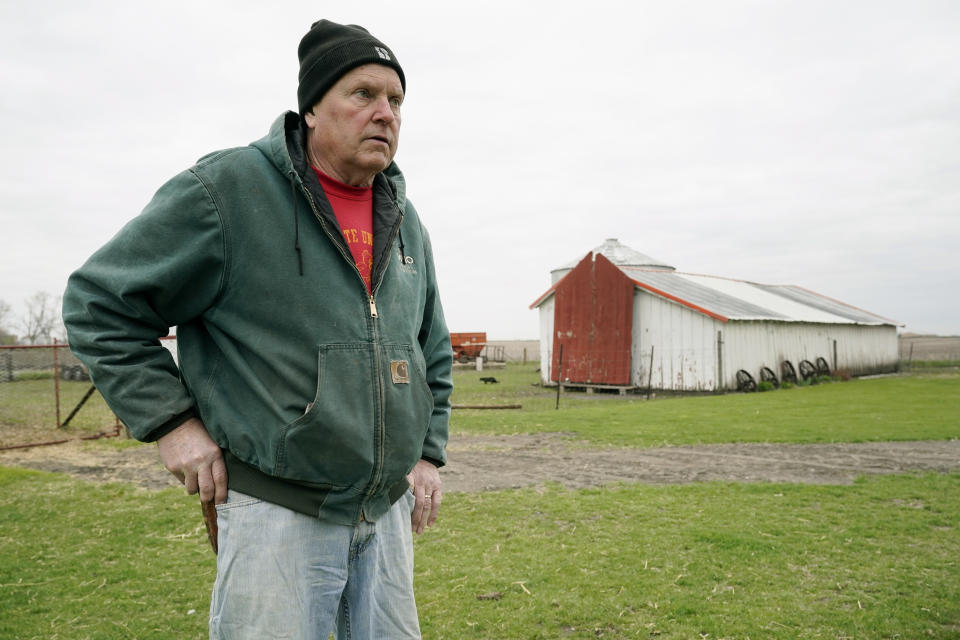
x=593, y=320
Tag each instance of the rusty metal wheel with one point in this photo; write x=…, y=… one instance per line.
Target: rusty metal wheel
x=745, y=381
x=767, y=375
x=823, y=369
x=787, y=372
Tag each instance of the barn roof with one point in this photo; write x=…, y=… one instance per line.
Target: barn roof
x=728, y=299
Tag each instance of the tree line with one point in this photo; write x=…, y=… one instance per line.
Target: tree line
x=40, y=322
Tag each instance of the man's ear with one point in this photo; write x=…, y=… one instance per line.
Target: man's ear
x=310, y=118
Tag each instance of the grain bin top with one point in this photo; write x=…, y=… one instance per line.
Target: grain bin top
x=619, y=254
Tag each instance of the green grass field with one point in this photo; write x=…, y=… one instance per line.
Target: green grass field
x=876, y=559
x=28, y=411
x=916, y=407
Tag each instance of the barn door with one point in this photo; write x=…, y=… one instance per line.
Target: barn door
x=593, y=320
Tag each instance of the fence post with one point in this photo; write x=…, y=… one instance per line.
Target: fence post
x=56, y=379
x=9, y=359
x=559, y=375
x=650, y=374
x=721, y=384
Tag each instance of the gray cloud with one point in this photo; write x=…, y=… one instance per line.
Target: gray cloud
x=813, y=143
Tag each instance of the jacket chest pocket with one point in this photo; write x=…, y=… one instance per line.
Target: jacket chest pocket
x=407, y=406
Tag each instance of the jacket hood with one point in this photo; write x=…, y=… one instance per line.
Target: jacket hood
x=284, y=146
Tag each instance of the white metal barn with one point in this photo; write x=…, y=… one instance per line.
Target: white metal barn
x=619, y=318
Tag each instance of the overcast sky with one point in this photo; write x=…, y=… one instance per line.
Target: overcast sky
x=797, y=142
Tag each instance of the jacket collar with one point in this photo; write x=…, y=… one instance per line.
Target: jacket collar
x=285, y=147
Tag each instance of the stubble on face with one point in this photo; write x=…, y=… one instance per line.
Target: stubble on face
x=354, y=130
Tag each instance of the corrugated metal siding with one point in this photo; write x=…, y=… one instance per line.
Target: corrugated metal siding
x=612, y=323
x=684, y=344
x=683, y=341
x=592, y=320
x=861, y=349
x=753, y=345
x=572, y=304
x=546, y=340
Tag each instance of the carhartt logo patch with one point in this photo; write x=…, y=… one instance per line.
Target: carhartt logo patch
x=399, y=372
x=383, y=53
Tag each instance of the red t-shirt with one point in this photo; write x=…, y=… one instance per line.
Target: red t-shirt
x=353, y=207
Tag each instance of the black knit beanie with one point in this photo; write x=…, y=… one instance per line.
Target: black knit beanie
x=329, y=50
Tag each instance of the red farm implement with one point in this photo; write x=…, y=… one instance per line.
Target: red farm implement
x=467, y=346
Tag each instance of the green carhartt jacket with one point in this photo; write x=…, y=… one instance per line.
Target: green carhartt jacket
x=312, y=387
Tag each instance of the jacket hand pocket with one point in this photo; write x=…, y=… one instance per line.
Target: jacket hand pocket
x=367, y=422
x=332, y=444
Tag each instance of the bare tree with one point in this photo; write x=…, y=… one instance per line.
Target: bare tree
x=42, y=320
x=5, y=318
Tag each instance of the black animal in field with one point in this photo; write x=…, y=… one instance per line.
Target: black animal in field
x=489, y=380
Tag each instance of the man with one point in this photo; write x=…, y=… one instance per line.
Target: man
x=311, y=402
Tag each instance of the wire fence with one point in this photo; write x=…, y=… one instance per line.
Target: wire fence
x=46, y=397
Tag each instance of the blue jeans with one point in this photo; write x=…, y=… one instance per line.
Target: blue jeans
x=286, y=575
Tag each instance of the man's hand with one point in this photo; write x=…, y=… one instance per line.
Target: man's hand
x=189, y=453
x=428, y=494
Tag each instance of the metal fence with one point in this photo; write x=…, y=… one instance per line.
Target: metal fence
x=46, y=397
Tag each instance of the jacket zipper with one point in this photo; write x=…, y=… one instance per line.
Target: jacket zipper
x=378, y=426
x=378, y=463
x=333, y=239
x=392, y=236
x=349, y=258
x=378, y=466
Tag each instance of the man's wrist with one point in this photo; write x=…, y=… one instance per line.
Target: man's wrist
x=435, y=463
x=170, y=425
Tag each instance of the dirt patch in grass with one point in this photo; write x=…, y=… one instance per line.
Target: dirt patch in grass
x=484, y=463
x=100, y=462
